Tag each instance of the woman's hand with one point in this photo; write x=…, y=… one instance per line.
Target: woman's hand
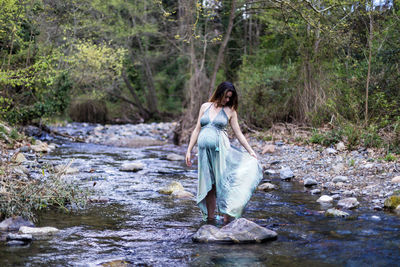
x=253, y=154
x=187, y=159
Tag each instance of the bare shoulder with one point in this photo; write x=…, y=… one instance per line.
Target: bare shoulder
x=205, y=105
x=230, y=112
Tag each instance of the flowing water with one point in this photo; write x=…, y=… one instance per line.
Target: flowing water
x=144, y=228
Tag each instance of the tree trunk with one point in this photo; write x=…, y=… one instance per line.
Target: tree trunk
x=370, y=36
x=223, y=45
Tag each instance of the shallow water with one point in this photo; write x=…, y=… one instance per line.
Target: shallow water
x=145, y=228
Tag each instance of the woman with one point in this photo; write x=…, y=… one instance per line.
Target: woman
x=227, y=175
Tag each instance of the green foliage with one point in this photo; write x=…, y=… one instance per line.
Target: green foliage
x=316, y=137
x=390, y=157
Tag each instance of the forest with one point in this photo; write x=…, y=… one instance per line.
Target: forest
x=315, y=63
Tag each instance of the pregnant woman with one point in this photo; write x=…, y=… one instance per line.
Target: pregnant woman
x=227, y=176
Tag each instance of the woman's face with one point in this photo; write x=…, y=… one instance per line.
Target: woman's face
x=226, y=98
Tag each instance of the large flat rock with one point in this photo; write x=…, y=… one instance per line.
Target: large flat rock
x=238, y=231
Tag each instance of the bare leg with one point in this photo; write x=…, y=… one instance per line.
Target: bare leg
x=227, y=218
x=210, y=203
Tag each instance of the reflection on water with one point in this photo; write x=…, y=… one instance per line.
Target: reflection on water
x=142, y=227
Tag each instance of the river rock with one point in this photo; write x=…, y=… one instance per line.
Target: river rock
x=132, y=167
x=40, y=147
x=310, y=182
x=286, y=174
x=98, y=199
x=66, y=170
x=266, y=187
x=268, y=149
x=172, y=187
x=330, y=151
x=315, y=191
x=325, y=199
x=348, y=203
x=20, y=170
x=14, y=223
x=175, y=157
x=397, y=210
x=340, y=178
x=338, y=167
x=392, y=202
x=182, y=194
x=396, y=180
x=38, y=230
x=18, y=158
x=272, y=173
x=340, y=146
x=238, y=231
x=21, y=237
x=336, y=213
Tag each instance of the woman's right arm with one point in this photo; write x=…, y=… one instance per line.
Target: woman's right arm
x=195, y=134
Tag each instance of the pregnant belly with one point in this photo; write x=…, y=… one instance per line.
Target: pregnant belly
x=208, y=138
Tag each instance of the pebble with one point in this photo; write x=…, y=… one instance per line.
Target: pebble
x=315, y=191
x=340, y=178
x=396, y=180
x=237, y=231
x=286, y=174
x=325, y=199
x=348, y=203
x=266, y=187
x=175, y=157
x=310, y=182
x=132, y=167
x=336, y=213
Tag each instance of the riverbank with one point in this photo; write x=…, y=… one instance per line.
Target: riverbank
x=337, y=172
x=27, y=182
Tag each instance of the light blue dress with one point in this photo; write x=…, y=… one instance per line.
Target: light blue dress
x=235, y=173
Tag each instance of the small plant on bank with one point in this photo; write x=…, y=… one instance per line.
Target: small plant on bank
x=390, y=157
x=352, y=162
x=316, y=137
x=24, y=198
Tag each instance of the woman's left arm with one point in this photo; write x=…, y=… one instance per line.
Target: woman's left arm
x=236, y=129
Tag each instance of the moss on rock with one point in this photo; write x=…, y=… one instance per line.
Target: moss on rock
x=392, y=202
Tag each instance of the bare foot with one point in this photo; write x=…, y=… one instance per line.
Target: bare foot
x=227, y=219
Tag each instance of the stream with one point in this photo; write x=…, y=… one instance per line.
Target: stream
x=145, y=228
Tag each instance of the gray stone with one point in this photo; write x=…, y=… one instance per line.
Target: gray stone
x=310, y=182
x=38, y=231
x=330, y=151
x=336, y=196
x=172, y=187
x=315, y=191
x=65, y=169
x=25, y=149
x=340, y=178
x=20, y=237
x=182, y=194
x=340, y=146
x=348, y=203
x=175, y=157
x=348, y=193
x=238, y=231
x=266, y=187
x=286, y=174
x=132, y=167
x=14, y=223
x=325, y=199
x=336, y=213
x=16, y=243
x=19, y=158
x=271, y=173
x=396, y=180
x=20, y=170
x=338, y=168
x=98, y=199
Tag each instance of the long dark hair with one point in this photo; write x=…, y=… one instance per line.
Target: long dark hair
x=220, y=93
